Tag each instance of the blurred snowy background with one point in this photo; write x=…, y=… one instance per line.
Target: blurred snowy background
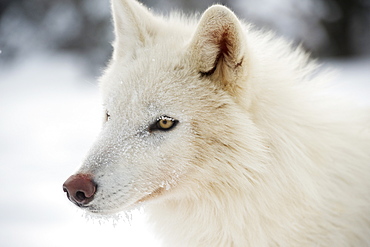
x=51, y=52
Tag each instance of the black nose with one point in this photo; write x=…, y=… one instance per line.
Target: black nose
x=80, y=189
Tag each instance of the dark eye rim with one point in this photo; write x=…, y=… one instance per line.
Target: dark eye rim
x=107, y=116
x=156, y=126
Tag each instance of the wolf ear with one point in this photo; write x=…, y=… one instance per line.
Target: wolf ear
x=218, y=47
x=134, y=26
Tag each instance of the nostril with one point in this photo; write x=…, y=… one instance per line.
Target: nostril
x=80, y=195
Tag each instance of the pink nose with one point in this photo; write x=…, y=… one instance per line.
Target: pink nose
x=80, y=189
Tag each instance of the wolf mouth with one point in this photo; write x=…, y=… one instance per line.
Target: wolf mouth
x=93, y=208
x=157, y=192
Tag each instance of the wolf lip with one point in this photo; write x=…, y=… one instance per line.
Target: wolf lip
x=157, y=192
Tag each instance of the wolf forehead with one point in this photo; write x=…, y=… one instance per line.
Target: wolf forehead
x=148, y=71
x=150, y=78
x=144, y=87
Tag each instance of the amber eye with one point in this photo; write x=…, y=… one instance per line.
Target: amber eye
x=164, y=123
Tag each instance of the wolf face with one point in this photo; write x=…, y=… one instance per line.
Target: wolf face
x=168, y=97
x=225, y=133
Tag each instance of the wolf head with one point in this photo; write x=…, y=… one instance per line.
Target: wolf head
x=175, y=97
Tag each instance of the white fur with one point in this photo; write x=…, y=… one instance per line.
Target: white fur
x=262, y=154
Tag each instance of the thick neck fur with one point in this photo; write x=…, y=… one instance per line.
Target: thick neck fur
x=296, y=186
x=296, y=198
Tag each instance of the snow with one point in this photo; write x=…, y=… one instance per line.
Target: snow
x=353, y=78
x=50, y=115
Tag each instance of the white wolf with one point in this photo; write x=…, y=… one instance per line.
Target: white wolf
x=226, y=136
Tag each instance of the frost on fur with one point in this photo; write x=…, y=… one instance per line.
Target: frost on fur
x=253, y=150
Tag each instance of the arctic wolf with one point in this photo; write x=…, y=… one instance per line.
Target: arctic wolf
x=225, y=137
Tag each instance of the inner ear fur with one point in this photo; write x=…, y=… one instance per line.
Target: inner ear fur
x=218, y=47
